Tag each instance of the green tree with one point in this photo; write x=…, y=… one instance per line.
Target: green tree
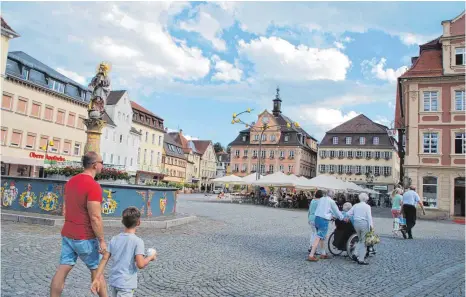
x=228, y=149
x=218, y=147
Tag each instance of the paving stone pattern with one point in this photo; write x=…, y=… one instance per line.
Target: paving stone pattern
x=246, y=250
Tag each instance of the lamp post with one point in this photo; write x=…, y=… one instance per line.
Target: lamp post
x=262, y=128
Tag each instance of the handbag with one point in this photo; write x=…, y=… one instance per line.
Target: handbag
x=371, y=238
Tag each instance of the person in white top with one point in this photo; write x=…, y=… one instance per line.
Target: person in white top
x=362, y=222
x=325, y=211
x=410, y=200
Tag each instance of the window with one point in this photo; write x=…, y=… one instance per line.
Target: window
x=348, y=140
x=377, y=155
x=245, y=153
x=121, y=138
x=147, y=136
x=272, y=153
x=67, y=147
x=340, y=169
x=7, y=102
x=81, y=123
x=264, y=137
x=25, y=73
x=4, y=134
x=160, y=140
x=358, y=169
x=291, y=154
x=118, y=162
x=350, y=154
x=322, y=168
x=290, y=168
x=61, y=117
x=282, y=154
x=35, y=110
x=153, y=138
x=48, y=113
x=104, y=157
x=341, y=154
x=43, y=142
x=387, y=171
x=21, y=106
x=151, y=157
x=256, y=137
x=119, y=115
x=71, y=119
x=158, y=158
x=56, y=86
x=323, y=154
x=368, y=169
x=237, y=153
x=16, y=138
x=272, y=138
x=459, y=56
x=375, y=140
x=368, y=154
x=31, y=141
x=270, y=168
x=362, y=140
x=111, y=158
x=77, y=149
x=376, y=170
x=460, y=143
x=56, y=145
x=331, y=168
x=145, y=155
x=131, y=162
x=287, y=138
x=430, y=145
x=431, y=101
x=460, y=103
x=333, y=154
x=254, y=167
x=243, y=138
x=335, y=140
x=263, y=154
x=236, y=168
x=429, y=191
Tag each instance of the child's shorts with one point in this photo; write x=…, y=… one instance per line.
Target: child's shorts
x=121, y=292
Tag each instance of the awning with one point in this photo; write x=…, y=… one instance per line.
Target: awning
x=22, y=161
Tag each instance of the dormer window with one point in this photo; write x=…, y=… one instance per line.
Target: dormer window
x=83, y=94
x=56, y=86
x=25, y=73
x=287, y=138
x=362, y=140
x=244, y=138
x=264, y=137
x=256, y=137
x=335, y=140
x=375, y=140
x=459, y=56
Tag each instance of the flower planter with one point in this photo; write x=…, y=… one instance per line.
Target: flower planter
x=58, y=176
x=114, y=181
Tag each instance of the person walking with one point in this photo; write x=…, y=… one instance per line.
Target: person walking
x=362, y=222
x=326, y=209
x=397, y=199
x=82, y=234
x=311, y=217
x=410, y=200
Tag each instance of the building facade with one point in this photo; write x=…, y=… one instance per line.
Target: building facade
x=223, y=164
x=149, y=153
x=208, y=164
x=430, y=116
x=41, y=118
x=193, y=157
x=173, y=160
x=120, y=141
x=287, y=149
x=7, y=34
x=362, y=152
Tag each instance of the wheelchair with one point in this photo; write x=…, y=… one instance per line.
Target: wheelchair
x=344, y=239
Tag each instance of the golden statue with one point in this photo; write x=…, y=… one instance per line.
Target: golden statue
x=100, y=87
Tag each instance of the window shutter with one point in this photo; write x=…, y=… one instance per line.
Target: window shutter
x=30, y=141
x=16, y=139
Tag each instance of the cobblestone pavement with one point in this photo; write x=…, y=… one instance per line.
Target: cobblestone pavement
x=247, y=250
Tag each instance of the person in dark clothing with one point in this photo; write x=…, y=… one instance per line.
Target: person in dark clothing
x=410, y=200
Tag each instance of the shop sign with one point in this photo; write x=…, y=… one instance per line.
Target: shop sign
x=47, y=157
x=383, y=188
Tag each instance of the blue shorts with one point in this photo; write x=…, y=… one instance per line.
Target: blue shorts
x=321, y=227
x=86, y=250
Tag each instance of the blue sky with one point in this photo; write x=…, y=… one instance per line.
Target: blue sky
x=194, y=64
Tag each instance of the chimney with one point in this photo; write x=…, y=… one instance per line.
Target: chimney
x=413, y=60
x=181, y=131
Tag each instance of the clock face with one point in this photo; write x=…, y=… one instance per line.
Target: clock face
x=265, y=120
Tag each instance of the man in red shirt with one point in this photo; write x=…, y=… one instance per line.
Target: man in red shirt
x=82, y=233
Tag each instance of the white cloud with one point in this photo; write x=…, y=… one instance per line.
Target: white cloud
x=226, y=71
x=161, y=51
x=208, y=27
x=383, y=121
x=378, y=70
x=72, y=75
x=276, y=58
x=341, y=44
x=113, y=50
x=415, y=39
x=188, y=137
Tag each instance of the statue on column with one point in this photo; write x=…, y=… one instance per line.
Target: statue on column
x=100, y=87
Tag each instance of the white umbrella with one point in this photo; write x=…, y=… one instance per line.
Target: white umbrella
x=278, y=179
x=248, y=180
x=326, y=182
x=228, y=179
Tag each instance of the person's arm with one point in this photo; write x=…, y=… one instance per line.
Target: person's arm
x=94, y=209
x=369, y=217
x=142, y=262
x=336, y=212
x=95, y=286
x=419, y=201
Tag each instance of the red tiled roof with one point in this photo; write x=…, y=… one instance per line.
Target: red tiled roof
x=136, y=106
x=429, y=64
x=7, y=27
x=201, y=145
x=181, y=140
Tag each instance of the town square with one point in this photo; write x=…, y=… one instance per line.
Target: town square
x=233, y=148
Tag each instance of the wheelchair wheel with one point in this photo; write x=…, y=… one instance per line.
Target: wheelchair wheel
x=351, y=245
x=331, y=248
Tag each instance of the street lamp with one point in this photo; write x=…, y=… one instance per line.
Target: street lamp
x=264, y=127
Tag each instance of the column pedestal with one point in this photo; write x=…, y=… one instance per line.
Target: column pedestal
x=94, y=132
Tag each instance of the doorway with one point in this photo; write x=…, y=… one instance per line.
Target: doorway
x=459, y=203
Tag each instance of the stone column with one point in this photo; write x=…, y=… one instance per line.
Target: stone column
x=94, y=132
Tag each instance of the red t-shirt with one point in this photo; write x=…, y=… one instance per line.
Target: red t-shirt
x=78, y=191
